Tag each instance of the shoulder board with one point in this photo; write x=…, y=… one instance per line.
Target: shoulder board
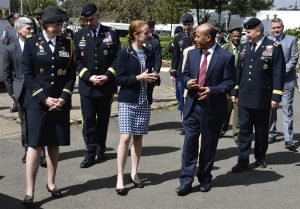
x=225, y=45
x=276, y=44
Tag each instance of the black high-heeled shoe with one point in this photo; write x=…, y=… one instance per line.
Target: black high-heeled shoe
x=28, y=200
x=136, y=184
x=121, y=191
x=55, y=192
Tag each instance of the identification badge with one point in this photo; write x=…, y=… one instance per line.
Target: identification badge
x=41, y=53
x=63, y=54
x=82, y=44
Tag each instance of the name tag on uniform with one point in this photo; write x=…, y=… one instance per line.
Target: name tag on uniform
x=41, y=53
x=63, y=54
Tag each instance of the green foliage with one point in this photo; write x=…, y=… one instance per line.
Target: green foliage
x=170, y=11
x=293, y=32
x=249, y=7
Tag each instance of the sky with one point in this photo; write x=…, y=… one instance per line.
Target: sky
x=286, y=3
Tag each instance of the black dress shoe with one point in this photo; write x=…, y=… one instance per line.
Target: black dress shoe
x=205, y=187
x=271, y=140
x=182, y=132
x=28, y=200
x=43, y=162
x=290, y=146
x=14, y=108
x=86, y=163
x=239, y=168
x=101, y=156
x=183, y=190
x=261, y=163
x=136, y=184
x=24, y=158
x=55, y=192
x=121, y=191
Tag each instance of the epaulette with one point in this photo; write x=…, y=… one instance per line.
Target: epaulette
x=276, y=44
x=225, y=45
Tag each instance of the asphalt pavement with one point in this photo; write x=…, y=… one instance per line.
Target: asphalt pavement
x=276, y=187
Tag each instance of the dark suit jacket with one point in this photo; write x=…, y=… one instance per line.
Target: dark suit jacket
x=48, y=74
x=10, y=36
x=261, y=76
x=128, y=67
x=12, y=72
x=96, y=57
x=220, y=78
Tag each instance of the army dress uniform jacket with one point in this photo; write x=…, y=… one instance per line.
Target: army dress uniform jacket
x=260, y=76
x=95, y=56
x=48, y=74
x=180, y=42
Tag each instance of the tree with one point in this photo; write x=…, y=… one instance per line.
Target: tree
x=170, y=11
x=249, y=7
x=202, y=7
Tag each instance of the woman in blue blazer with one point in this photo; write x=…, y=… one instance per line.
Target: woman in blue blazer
x=136, y=77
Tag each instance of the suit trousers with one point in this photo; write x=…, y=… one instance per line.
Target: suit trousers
x=194, y=125
x=287, y=116
x=259, y=118
x=96, y=113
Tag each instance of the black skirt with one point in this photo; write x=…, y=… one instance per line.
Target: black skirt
x=48, y=128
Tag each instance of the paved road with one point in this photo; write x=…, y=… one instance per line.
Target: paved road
x=276, y=187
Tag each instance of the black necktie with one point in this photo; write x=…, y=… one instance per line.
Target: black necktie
x=253, y=48
x=95, y=33
x=50, y=43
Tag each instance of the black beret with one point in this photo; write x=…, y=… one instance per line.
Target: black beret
x=236, y=28
x=178, y=29
x=151, y=23
x=53, y=14
x=187, y=18
x=89, y=10
x=38, y=11
x=252, y=23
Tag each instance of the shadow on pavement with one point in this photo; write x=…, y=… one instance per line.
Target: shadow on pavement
x=246, y=178
x=8, y=202
x=164, y=126
x=280, y=158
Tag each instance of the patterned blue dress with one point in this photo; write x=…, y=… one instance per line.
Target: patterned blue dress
x=134, y=118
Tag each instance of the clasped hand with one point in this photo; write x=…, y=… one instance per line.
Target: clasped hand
x=54, y=103
x=98, y=80
x=147, y=77
x=193, y=85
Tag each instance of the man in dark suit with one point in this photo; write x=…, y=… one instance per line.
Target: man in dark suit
x=14, y=76
x=11, y=36
x=181, y=42
x=96, y=48
x=260, y=79
x=290, y=51
x=209, y=74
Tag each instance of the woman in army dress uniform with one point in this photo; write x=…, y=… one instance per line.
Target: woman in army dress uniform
x=49, y=71
x=136, y=76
